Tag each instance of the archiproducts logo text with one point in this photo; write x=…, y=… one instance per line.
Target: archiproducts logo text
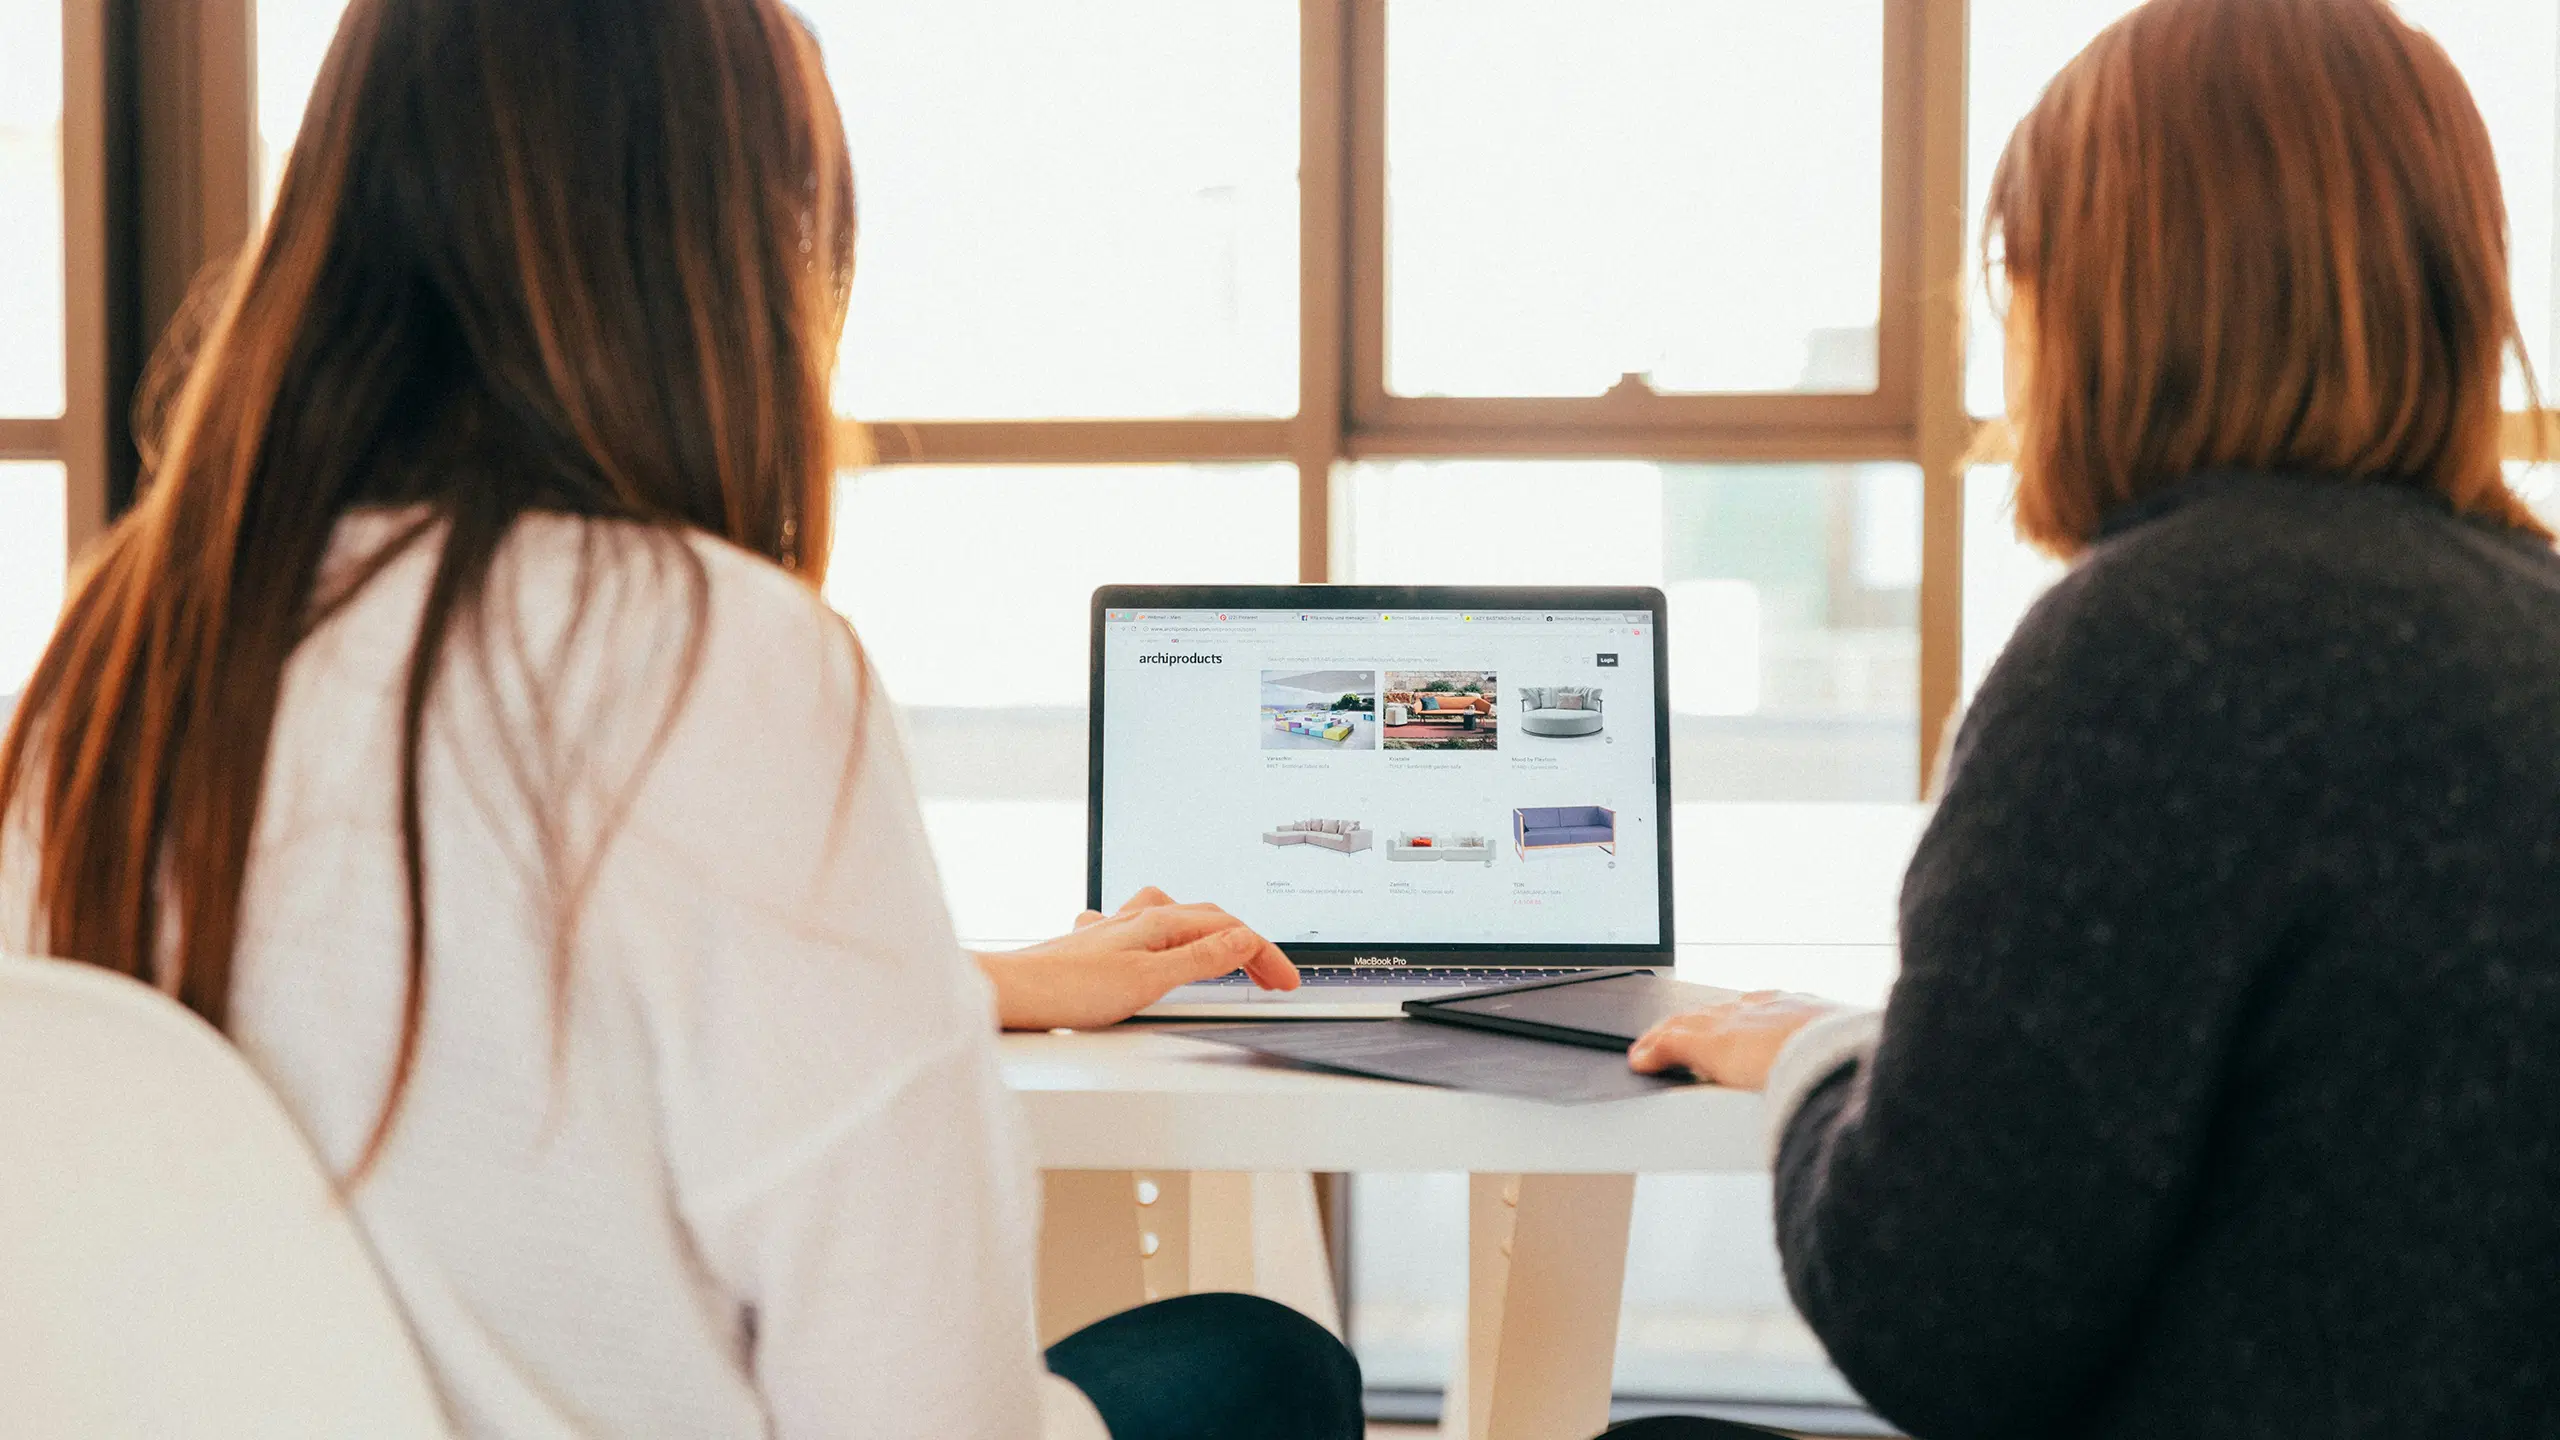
x=1169, y=659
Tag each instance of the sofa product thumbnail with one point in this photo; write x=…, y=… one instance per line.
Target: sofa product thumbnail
x=1405, y=707
x=1562, y=827
x=1320, y=724
x=1441, y=845
x=1340, y=836
x=1441, y=710
x=1559, y=710
x=1324, y=710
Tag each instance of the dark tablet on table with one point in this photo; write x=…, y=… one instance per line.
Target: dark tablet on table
x=1603, y=1009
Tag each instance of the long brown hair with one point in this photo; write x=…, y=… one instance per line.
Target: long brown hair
x=2260, y=234
x=584, y=257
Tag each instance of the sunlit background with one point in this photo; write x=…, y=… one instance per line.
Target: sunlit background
x=31, y=317
x=1091, y=210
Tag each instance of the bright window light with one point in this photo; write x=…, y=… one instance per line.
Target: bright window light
x=1581, y=192
x=32, y=545
x=31, y=294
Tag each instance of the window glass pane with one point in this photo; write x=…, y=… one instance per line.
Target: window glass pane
x=2509, y=50
x=970, y=589
x=2539, y=486
x=293, y=38
x=1794, y=652
x=32, y=545
x=1687, y=190
x=1070, y=210
x=1794, y=596
x=1705, y=1312
x=31, y=365
x=2003, y=575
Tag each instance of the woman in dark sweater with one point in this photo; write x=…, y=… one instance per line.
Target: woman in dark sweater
x=2220, y=1092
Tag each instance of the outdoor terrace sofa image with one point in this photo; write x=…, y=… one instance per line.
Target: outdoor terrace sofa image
x=1563, y=827
x=1405, y=707
x=1341, y=836
x=1559, y=710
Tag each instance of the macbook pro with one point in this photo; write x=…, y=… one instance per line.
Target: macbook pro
x=1413, y=791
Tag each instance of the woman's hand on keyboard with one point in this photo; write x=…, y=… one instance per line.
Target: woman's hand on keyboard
x=1110, y=967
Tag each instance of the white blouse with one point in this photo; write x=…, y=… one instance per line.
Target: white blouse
x=718, y=1150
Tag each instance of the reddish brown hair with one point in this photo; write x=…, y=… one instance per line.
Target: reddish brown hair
x=585, y=257
x=2255, y=233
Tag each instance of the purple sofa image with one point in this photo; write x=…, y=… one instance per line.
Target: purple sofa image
x=1562, y=827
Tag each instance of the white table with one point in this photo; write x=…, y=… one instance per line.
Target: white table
x=1175, y=1165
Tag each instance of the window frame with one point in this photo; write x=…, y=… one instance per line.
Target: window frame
x=1712, y=426
x=1346, y=414
x=159, y=156
x=64, y=438
x=159, y=161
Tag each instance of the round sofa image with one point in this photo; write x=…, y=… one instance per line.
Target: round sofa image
x=1445, y=846
x=1343, y=837
x=1560, y=710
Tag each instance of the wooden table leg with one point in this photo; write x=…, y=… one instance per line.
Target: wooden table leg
x=1290, y=1263
x=1256, y=1234
x=1546, y=1268
x=1090, y=1263
x=1111, y=1240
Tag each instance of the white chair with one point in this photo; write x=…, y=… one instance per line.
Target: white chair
x=174, y=1262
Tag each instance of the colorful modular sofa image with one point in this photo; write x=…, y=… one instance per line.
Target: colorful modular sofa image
x=1319, y=710
x=1343, y=837
x=1563, y=827
x=1318, y=724
x=1559, y=711
x=1449, y=846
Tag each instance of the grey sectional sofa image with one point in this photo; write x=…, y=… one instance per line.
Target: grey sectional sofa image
x=1559, y=710
x=1340, y=836
x=1562, y=827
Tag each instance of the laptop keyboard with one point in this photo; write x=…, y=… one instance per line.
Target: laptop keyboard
x=1404, y=975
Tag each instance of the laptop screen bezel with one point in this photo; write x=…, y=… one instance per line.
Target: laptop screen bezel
x=1389, y=598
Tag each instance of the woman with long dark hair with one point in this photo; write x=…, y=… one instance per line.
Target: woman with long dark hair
x=455, y=723
x=2220, y=1091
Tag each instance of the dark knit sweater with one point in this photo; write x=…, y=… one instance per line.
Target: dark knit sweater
x=2220, y=1094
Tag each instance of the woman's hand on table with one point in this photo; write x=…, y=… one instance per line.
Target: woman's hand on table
x=1731, y=1044
x=1110, y=967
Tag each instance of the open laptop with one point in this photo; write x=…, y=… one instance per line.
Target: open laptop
x=1412, y=790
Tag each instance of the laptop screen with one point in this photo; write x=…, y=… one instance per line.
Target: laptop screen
x=1451, y=777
